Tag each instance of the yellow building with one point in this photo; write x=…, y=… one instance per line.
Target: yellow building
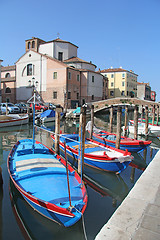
x=121, y=83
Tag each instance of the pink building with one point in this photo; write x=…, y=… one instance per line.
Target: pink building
x=58, y=75
x=8, y=84
x=153, y=96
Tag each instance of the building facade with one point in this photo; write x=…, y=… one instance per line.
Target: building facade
x=58, y=75
x=153, y=96
x=143, y=91
x=121, y=83
x=8, y=84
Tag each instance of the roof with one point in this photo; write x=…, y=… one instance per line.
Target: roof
x=110, y=70
x=142, y=83
x=44, y=55
x=61, y=41
x=77, y=60
x=8, y=68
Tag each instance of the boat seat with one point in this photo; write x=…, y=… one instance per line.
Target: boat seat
x=29, y=164
x=39, y=172
x=30, y=151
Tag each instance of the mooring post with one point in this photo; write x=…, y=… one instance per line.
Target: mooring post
x=57, y=129
x=153, y=114
x=92, y=121
x=135, y=122
x=111, y=118
x=132, y=174
x=126, y=121
x=157, y=115
x=119, y=116
x=82, y=125
x=146, y=121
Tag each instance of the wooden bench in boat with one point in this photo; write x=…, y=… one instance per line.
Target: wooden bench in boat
x=37, y=163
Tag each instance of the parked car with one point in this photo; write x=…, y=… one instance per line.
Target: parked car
x=39, y=107
x=22, y=107
x=10, y=107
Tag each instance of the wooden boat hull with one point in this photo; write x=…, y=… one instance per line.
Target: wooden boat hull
x=42, y=181
x=13, y=120
x=98, y=160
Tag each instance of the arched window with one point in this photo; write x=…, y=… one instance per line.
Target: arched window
x=29, y=45
x=8, y=90
x=8, y=75
x=29, y=70
x=33, y=44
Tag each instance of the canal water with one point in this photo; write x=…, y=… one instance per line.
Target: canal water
x=106, y=191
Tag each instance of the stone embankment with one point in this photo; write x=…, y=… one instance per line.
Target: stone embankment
x=138, y=217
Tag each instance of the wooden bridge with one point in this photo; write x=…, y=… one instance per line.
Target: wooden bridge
x=104, y=104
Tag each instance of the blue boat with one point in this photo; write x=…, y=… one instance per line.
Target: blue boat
x=96, y=155
x=46, y=181
x=40, y=176
x=47, y=116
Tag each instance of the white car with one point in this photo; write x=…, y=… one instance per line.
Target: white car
x=10, y=106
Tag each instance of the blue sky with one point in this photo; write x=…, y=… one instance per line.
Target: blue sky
x=109, y=33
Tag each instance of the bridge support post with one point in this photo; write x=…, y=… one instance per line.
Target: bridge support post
x=153, y=116
x=126, y=120
x=92, y=121
x=119, y=117
x=135, y=122
x=111, y=119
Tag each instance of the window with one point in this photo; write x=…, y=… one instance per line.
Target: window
x=33, y=44
x=112, y=84
x=8, y=75
x=77, y=95
x=78, y=77
x=8, y=90
x=122, y=93
x=112, y=75
x=29, y=45
x=92, y=78
x=60, y=56
x=69, y=95
x=92, y=97
x=123, y=84
x=69, y=75
x=54, y=95
x=55, y=75
x=112, y=93
x=123, y=75
x=29, y=70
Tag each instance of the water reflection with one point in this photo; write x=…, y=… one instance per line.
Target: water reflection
x=105, y=190
x=35, y=226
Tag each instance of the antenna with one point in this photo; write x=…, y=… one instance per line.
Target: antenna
x=58, y=34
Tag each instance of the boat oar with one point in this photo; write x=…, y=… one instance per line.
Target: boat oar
x=67, y=175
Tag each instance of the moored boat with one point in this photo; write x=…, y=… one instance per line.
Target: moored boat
x=152, y=129
x=47, y=116
x=96, y=155
x=40, y=176
x=110, y=139
x=13, y=120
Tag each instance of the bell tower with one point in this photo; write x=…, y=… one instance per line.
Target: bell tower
x=33, y=44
